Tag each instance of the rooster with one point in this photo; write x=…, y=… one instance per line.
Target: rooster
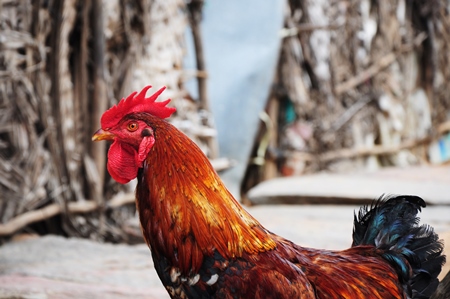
x=205, y=245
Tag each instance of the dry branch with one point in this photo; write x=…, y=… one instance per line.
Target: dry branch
x=78, y=207
x=303, y=28
x=350, y=153
x=62, y=64
x=195, y=15
x=99, y=105
x=379, y=65
x=365, y=75
x=376, y=150
x=195, y=8
x=49, y=211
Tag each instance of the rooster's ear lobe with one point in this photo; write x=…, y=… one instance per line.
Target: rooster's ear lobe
x=144, y=148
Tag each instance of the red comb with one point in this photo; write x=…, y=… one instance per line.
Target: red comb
x=137, y=102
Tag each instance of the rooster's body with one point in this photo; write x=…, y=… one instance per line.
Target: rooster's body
x=205, y=245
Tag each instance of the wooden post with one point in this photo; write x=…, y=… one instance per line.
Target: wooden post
x=195, y=15
x=99, y=100
x=270, y=167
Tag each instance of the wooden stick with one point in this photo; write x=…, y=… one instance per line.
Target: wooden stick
x=195, y=8
x=302, y=28
x=99, y=105
x=365, y=75
x=348, y=153
x=99, y=98
x=49, y=211
x=376, y=150
x=374, y=69
x=273, y=108
x=195, y=15
x=86, y=206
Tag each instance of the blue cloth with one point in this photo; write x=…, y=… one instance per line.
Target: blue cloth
x=241, y=45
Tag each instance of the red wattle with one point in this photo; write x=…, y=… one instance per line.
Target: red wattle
x=122, y=162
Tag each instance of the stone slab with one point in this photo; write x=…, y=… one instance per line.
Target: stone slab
x=431, y=183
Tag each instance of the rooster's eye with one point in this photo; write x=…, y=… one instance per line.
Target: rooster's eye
x=132, y=127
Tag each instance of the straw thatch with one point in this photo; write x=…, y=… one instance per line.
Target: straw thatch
x=360, y=85
x=62, y=63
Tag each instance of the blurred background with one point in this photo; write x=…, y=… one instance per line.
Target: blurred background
x=294, y=101
x=268, y=90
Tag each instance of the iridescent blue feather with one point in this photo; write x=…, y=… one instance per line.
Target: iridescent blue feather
x=391, y=225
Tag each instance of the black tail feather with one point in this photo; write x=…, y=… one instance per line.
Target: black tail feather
x=391, y=224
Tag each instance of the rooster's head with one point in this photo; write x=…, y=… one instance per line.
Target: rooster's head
x=125, y=124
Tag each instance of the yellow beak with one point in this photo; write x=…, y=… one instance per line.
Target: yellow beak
x=102, y=135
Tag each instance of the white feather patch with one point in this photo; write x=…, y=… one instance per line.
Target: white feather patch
x=194, y=280
x=213, y=279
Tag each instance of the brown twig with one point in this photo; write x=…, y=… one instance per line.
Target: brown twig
x=375, y=68
x=86, y=206
x=368, y=73
x=195, y=8
x=376, y=150
x=306, y=27
x=99, y=100
x=195, y=15
x=54, y=209
x=349, y=153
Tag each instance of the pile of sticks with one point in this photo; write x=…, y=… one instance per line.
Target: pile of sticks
x=62, y=64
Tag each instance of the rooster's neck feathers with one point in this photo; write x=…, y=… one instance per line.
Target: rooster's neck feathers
x=186, y=209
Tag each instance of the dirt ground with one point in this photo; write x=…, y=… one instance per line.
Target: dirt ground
x=54, y=267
